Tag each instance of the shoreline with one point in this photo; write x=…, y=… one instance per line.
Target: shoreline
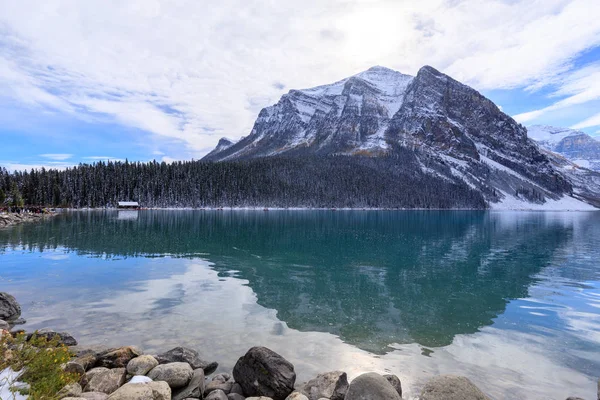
x=12, y=219
x=333, y=209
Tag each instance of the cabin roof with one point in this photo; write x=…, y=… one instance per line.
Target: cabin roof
x=128, y=203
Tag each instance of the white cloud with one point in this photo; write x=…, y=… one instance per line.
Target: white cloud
x=190, y=72
x=57, y=156
x=576, y=88
x=592, y=121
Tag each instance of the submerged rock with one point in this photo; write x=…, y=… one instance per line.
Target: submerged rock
x=331, y=385
x=190, y=356
x=371, y=386
x=105, y=380
x=262, y=372
x=194, y=389
x=176, y=374
x=141, y=365
x=118, y=358
x=9, y=307
x=49, y=334
x=451, y=387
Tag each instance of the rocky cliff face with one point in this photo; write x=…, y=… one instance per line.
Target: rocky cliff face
x=576, y=146
x=454, y=131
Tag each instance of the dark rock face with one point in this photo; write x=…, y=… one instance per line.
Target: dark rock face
x=453, y=131
x=262, y=372
x=331, y=385
x=371, y=386
x=9, y=307
x=450, y=387
x=49, y=334
x=184, y=354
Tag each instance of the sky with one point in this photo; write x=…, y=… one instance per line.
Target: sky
x=82, y=81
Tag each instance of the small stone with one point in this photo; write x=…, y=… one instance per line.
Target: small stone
x=190, y=356
x=139, y=379
x=94, y=395
x=371, y=386
x=223, y=377
x=105, y=380
x=194, y=389
x=296, y=396
x=262, y=372
x=235, y=396
x=9, y=307
x=70, y=390
x=451, y=387
x=395, y=382
x=216, y=395
x=236, y=388
x=574, y=398
x=259, y=398
x=176, y=374
x=218, y=385
x=118, y=358
x=141, y=365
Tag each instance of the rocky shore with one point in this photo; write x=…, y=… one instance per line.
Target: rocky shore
x=127, y=373
x=9, y=219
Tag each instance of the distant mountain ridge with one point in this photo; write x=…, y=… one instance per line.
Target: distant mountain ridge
x=452, y=131
x=577, y=146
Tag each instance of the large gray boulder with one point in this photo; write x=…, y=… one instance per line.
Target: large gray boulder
x=9, y=307
x=371, y=386
x=70, y=390
x=194, y=389
x=331, y=385
x=49, y=334
x=395, y=382
x=142, y=391
x=94, y=395
x=141, y=365
x=105, y=380
x=177, y=374
x=190, y=356
x=451, y=387
x=262, y=372
x=216, y=395
x=117, y=358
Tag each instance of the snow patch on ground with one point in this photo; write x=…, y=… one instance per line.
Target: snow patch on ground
x=566, y=203
x=7, y=378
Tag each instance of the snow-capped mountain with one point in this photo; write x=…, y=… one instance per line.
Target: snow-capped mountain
x=576, y=146
x=449, y=129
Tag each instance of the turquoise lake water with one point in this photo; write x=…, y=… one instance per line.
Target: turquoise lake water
x=509, y=299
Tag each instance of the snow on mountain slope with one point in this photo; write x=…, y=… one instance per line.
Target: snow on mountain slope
x=449, y=129
x=576, y=146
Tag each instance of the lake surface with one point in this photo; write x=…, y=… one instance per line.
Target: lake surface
x=509, y=299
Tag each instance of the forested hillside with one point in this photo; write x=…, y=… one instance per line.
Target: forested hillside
x=333, y=181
